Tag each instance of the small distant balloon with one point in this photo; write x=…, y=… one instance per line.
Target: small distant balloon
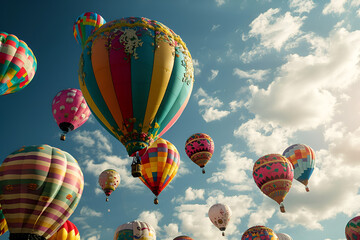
x=109, y=180
x=135, y=230
x=219, y=215
x=85, y=25
x=302, y=157
x=17, y=64
x=70, y=110
x=259, y=232
x=199, y=147
x=352, y=229
x=273, y=174
x=68, y=231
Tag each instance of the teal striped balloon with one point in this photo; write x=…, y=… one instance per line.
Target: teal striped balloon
x=40, y=187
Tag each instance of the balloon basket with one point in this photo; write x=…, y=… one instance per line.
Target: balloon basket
x=62, y=137
x=307, y=189
x=203, y=171
x=282, y=208
x=136, y=170
x=107, y=199
x=156, y=201
x=223, y=234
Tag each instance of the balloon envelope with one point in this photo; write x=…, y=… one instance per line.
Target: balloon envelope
x=134, y=231
x=159, y=165
x=40, y=187
x=17, y=64
x=136, y=75
x=183, y=238
x=352, y=229
x=68, y=231
x=3, y=224
x=259, y=232
x=219, y=215
x=69, y=109
x=85, y=25
x=273, y=174
x=199, y=147
x=302, y=158
x=283, y=236
x=109, y=180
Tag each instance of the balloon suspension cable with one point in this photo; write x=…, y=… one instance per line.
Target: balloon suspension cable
x=307, y=188
x=282, y=207
x=156, y=201
x=203, y=171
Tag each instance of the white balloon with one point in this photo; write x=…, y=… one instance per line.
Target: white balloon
x=219, y=215
x=283, y=236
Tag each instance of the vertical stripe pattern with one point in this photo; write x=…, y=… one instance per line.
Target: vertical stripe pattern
x=68, y=231
x=40, y=187
x=138, y=75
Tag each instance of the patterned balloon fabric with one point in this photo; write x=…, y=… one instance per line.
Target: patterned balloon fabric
x=3, y=224
x=17, y=64
x=135, y=230
x=259, y=232
x=109, y=180
x=352, y=229
x=183, y=238
x=302, y=158
x=68, y=231
x=40, y=187
x=219, y=215
x=283, y=236
x=137, y=76
x=199, y=147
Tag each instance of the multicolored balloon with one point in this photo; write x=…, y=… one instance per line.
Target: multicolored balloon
x=135, y=230
x=183, y=238
x=109, y=180
x=136, y=75
x=159, y=165
x=283, y=236
x=85, y=25
x=17, y=64
x=259, y=232
x=302, y=158
x=68, y=231
x=40, y=187
x=219, y=215
x=3, y=224
x=352, y=229
x=200, y=147
x=273, y=174
x=70, y=110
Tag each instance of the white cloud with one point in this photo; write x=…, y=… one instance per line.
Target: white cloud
x=212, y=114
x=275, y=31
x=235, y=105
x=334, y=6
x=258, y=75
x=262, y=214
x=88, y=212
x=152, y=218
x=213, y=75
x=89, y=139
x=171, y=231
x=196, y=65
x=215, y=27
x=301, y=6
x=220, y=2
x=190, y=195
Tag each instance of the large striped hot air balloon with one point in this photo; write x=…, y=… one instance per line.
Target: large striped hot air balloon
x=302, y=158
x=85, y=25
x=17, y=64
x=273, y=174
x=159, y=165
x=135, y=230
x=183, y=238
x=136, y=75
x=352, y=229
x=68, y=231
x=259, y=232
x=200, y=147
x=3, y=224
x=40, y=187
x=70, y=110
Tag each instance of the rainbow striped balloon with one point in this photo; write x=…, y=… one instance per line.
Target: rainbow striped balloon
x=259, y=232
x=136, y=75
x=68, y=231
x=183, y=238
x=17, y=64
x=85, y=25
x=352, y=229
x=40, y=187
x=3, y=224
x=159, y=165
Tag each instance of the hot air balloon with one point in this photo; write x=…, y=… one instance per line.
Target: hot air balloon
x=273, y=174
x=219, y=215
x=352, y=229
x=70, y=110
x=135, y=230
x=259, y=232
x=183, y=238
x=109, y=180
x=302, y=158
x=283, y=236
x=40, y=187
x=85, y=25
x=68, y=231
x=200, y=147
x=136, y=75
x=3, y=224
x=17, y=64
x=159, y=164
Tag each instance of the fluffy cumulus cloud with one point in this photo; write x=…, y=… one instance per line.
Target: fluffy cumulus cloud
x=334, y=6
x=253, y=74
x=151, y=217
x=213, y=74
x=301, y=6
x=209, y=106
x=88, y=212
x=92, y=139
x=190, y=195
x=308, y=88
x=273, y=30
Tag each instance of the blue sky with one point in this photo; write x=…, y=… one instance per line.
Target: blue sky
x=268, y=74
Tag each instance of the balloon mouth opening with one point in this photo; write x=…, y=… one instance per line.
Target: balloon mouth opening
x=222, y=229
x=27, y=236
x=108, y=192
x=134, y=146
